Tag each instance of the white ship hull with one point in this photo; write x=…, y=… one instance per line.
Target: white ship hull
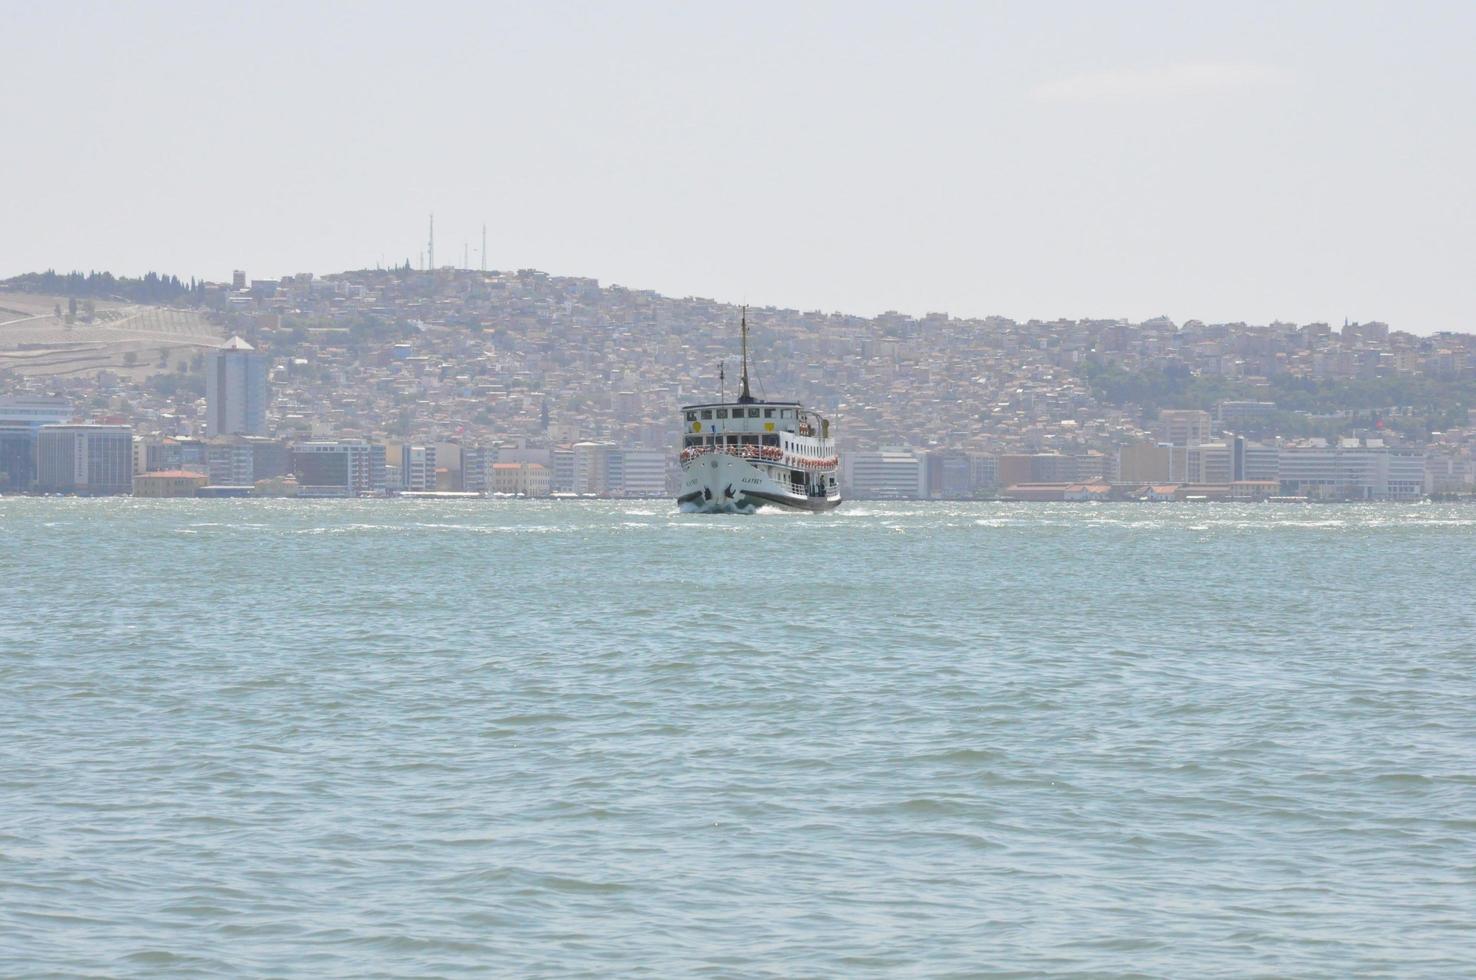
x=723, y=483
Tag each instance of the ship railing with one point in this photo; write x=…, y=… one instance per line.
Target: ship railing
x=771, y=454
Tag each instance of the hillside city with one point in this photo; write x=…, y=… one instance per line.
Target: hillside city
x=466, y=381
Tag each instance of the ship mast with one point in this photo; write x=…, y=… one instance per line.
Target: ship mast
x=746, y=397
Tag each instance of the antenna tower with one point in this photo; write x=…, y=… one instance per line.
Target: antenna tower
x=747, y=396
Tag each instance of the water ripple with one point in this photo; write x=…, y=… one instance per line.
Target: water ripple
x=394, y=738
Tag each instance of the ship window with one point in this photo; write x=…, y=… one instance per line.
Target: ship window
x=722, y=413
x=750, y=440
x=771, y=440
x=694, y=440
x=753, y=413
x=786, y=413
x=691, y=416
x=768, y=413
x=707, y=413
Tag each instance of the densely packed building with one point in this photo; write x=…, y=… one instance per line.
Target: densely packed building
x=454, y=373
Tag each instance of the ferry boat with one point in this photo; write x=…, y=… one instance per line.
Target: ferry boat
x=739, y=456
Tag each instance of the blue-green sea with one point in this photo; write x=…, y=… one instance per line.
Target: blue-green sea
x=473, y=738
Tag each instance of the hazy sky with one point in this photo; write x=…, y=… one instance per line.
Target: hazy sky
x=1226, y=161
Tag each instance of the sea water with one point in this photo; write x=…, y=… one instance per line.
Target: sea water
x=465, y=738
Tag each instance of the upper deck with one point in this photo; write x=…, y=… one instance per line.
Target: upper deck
x=724, y=418
x=786, y=429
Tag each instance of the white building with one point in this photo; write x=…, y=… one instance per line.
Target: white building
x=1448, y=473
x=1232, y=459
x=591, y=467
x=85, y=459
x=1350, y=470
x=891, y=474
x=645, y=472
x=418, y=468
x=236, y=390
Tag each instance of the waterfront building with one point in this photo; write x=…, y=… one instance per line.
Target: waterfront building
x=1018, y=468
x=236, y=390
x=1253, y=461
x=1254, y=490
x=418, y=468
x=591, y=465
x=1208, y=462
x=341, y=468
x=1351, y=470
x=17, y=457
x=614, y=471
x=949, y=474
x=476, y=468
x=168, y=483
x=561, y=469
x=84, y=459
x=527, y=479
x=887, y=474
x=21, y=419
x=1444, y=473
x=1145, y=462
x=644, y=473
x=239, y=461
x=228, y=464
x=984, y=470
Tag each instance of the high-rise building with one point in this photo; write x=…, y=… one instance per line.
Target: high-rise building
x=561, y=469
x=1184, y=426
x=84, y=459
x=591, y=469
x=1209, y=462
x=984, y=469
x=418, y=468
x=343, y=468
x=239, y=461
x=476, y=468
x=21, y=419
x=236, y=390
x=644, y=472
x=949, y=474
